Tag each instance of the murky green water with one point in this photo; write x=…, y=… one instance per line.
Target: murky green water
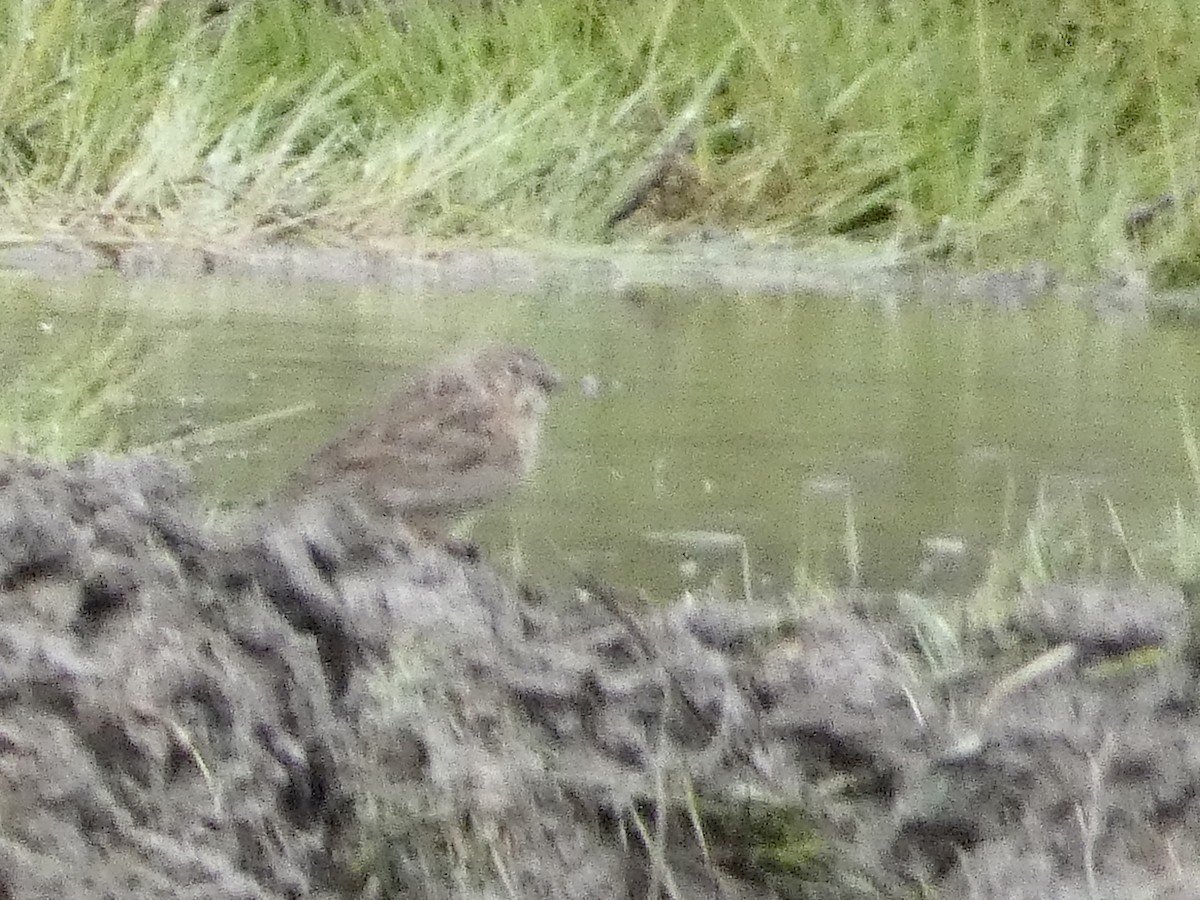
x=837, y=439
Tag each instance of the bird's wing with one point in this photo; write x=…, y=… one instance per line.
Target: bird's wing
x=425, y=448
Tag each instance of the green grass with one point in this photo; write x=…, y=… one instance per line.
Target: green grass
x=75, y=399
x=80, y=397
x=1004, y=131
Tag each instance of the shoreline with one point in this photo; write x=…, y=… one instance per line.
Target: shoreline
x=722, y=265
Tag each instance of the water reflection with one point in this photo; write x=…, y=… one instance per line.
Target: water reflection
x=837, y=442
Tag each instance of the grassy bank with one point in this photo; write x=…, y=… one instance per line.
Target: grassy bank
x=985, y=132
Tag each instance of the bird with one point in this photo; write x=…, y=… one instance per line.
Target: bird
x=446, y=442
x=671, y=186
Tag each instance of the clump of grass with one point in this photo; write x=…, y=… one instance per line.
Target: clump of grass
x=1067, y=539
x=76, y=399
x=1183, y=538
x=80, y=399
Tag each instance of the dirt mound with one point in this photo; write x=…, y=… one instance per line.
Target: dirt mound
x=173, y=720
x=319, y=706
x=158, y=739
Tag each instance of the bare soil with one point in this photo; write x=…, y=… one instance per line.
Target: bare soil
x=314, y=705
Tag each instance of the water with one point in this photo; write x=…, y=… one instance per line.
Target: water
x=840, y=441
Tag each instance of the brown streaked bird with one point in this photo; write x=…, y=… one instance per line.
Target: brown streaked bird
x=448, y=441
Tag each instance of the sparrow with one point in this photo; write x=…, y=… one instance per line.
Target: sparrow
x=446, y=442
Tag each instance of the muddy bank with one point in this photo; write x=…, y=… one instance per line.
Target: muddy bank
x=708, y=263
x=315, y=705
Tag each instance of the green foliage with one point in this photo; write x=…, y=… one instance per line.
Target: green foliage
x=1033, y=130
x=772, y=842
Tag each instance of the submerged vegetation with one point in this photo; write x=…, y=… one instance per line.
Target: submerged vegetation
x=73, y=400
x=981, y=132
x=83, y=394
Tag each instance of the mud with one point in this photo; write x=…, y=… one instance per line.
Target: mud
x=700, y=260
x=314, y=704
